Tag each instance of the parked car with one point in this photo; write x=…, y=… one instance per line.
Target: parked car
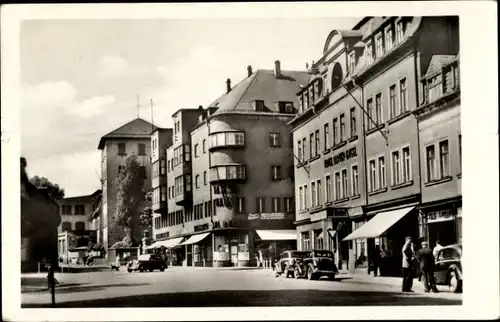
x=286, y=263
x=316, y=264
x=147, y=262
x=448, y=270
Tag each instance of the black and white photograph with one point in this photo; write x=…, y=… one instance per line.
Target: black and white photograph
x=249, y=156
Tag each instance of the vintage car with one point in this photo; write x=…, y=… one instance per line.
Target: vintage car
x=448, y=268
x=286, y=264
x=316, y=264
x=147, y=262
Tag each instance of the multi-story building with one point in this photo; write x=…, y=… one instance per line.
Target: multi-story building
x=160, y=140
x=441, y=151
x=133, y=138
x=76, y=212
x=229, y=173
x=376, y=67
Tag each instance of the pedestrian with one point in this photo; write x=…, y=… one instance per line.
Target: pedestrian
x=375, y=259
x=384, y=257
x=436, y=249
x=408, y=257
x=427, y=268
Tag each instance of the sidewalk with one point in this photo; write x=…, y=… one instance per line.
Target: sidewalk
x=229, y=268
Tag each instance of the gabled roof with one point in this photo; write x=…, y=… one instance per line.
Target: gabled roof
x=137, y=128
x=262, y=85
x=437, y=62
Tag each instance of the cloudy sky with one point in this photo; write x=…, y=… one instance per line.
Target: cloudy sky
x=80, y=78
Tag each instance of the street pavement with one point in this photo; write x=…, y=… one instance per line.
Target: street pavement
x=203, y=287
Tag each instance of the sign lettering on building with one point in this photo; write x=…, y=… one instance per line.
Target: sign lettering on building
x=162, y=235
x=341, y=157
x=267, y=216
x=201, y=227
x=355, y=211
x=437, y=216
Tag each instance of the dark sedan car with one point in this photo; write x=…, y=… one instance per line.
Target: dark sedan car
x=318, y=263
x=147, y=262
x=448, y=269
x=286, y=264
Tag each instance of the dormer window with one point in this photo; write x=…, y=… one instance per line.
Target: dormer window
x=301, y=107
x=435, y=88
x=286, y=107
x=259, y=106
x=379, y=45
x=369, y=52
x=325, y=83
x=389, y=37
x=306, y=99
x=318, y=88
x=400, y=30
x=352, y=62
x=311, y=95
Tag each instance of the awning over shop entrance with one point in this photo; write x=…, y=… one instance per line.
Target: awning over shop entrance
x=195, y=239
x=277, y=234
x=153, y=245
x=379, y=224
x=171, y=243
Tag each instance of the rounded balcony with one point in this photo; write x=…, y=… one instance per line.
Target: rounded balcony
x=232, y=172
x=226, y=139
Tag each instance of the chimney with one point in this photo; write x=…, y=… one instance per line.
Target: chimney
x=249, y=69
x=277, y=69
x=228, y=83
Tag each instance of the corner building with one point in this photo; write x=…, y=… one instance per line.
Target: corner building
x=230, y=174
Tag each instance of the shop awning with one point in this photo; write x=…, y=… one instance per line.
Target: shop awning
x=277, y=234
x=379, y=224
x=153, y=245
x=170, y=243
x=195, y=239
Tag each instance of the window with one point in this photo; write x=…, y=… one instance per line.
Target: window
x=227, y=172
x=355, y=180
x=306, y=195
x=168, y=166
x=260, y=205
x=328, y=188
x=276, y=205
x=66, y=210
x=403, y=95
x=392, y=101
x=227, y=139
x=79, y=226
x=142, y=149
x=379, y=44
x=187, y=152
x=406, y=164
x=163, y=193
x=155, y=170
x=369, y=53
x=319, y=192
x=204, y=146
x=314, y=199
x=306, y=242
x=304, y=149
x=381, y=172
x=275, y=172
x=301, y=199
x=289, y=205
x=400, y=31
x=444, y=159
x=352, y=62
x=162, y=166
x=318, y=239
x=196, y=151
x=79, y=209
x=66, y=226
x=240, y=205
x=274, y=139
x=121, y=149
x=306, y=99
x=460, y=151
x=434, y=88
x=396, y=168
x=353, y=122
x=311, y=145
x=431, y=163
x=369, y=105
x=336, y=137
x=373, y=175
x=342, y=128
x=285, y=107
x=378, y=108
x=204, y=178
x=259, y=105
x=325, y=83
x=197, y=181
x=337, y=186
x=299, y=151
x=344, y=183
x=316, y=143
x=389, y=38
x=311, y=96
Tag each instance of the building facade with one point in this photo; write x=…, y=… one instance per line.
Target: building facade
x=374, y=72
x=441, y=151
x=133, y=138
x=229, y=173
x=76, y=212
x=160, y=140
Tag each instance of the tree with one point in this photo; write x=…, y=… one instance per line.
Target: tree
x=131, y=197
x=146, y=218
x=53, y=190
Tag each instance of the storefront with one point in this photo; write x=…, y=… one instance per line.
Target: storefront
x=442, y=222
x=196, y=247
x=234, y=247
x=269, y=244
x=388, y=229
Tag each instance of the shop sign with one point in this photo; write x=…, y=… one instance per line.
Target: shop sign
x=267, y=216
x=162, y=235
x=437, y=216
x=355, y=211
x=341, y=157
x=201, y=227
x=319, y=216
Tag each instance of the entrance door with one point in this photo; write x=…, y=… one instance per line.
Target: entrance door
x=234, y=254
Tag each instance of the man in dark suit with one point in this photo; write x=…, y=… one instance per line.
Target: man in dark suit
x=427, y=267
x=408, y=256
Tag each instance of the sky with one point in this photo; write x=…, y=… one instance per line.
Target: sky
x=80, y=78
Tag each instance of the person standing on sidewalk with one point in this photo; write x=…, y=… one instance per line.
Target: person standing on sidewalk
x=427, y=268
x=408, y=256
x=437, y=248
x=375, y=260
